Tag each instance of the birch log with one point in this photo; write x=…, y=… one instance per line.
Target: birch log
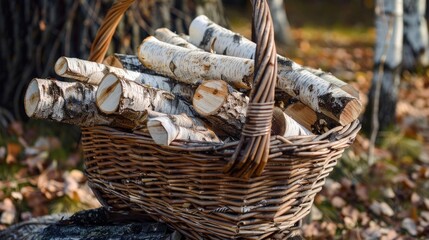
x=92, y=72
x=165, y=35
x=335, y=81
x=131, y=100
x=67, y=102
x=166, y=129
x=192, y=66
x=319, y=94
x=226, y=109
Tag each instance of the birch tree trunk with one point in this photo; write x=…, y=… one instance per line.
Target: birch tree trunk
x=387, y=64
x=131, y=100
x=164, y=130
x=191, y=66
x=66, y=102
x=282, y=30
x=415, y=47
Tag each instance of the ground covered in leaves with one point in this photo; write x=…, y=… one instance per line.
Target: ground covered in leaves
x=41, y=163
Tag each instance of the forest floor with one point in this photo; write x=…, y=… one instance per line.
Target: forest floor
x=41, y=167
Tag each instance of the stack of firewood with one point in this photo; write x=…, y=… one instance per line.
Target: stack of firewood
x=189, y=88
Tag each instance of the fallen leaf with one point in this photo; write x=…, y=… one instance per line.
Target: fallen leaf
x=315, y=214
x=415, y=198
x=13, y=150
x=362, y=192
x=381, y=209
x=409, y=225
x=2, y=153
x=9, y=212
x=338, y=202
x=388, y=192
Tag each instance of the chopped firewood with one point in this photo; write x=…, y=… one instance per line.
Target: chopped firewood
x=166, y=129
x=67, y=102
x=116, y=95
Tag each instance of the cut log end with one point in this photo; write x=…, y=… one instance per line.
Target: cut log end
x=351, y=112
x=32, y=98
x=61, y=66
x=109, y=94
x=159, y=133
x=210, y=96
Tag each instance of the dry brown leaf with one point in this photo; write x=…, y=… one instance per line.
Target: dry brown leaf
x=35, y=200
x=362, y=192
x=13, y=150
x=338, y=202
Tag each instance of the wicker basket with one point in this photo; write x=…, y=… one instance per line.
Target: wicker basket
x=185, y=184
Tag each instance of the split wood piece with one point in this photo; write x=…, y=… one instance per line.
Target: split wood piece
x=192, y=66
x=67, y=102
x=317, y=123
x=92, y=72
x=321, y=95
x=165, y=35
x=116, y=95
x=166, y=129
x=226, y=109
x=286, y=126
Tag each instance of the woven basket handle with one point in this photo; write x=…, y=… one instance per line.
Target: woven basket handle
x=252, y=151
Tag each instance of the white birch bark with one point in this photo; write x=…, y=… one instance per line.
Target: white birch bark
x=321, y=95
x=282, y=30
x=167, y=36
x=192, y=66
x=67, y=102
x=333, y=80
x=415, y=33
x=286, y=126
x=165, y=130
x=389, y=12
x=131, y=100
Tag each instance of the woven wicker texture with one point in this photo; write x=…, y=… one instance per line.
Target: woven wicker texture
x=206, y=190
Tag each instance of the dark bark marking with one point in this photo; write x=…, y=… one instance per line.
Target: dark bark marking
x=208, y=34
x=335, y=106
x=237, y=38
x=172, y=67
x=225, y=51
